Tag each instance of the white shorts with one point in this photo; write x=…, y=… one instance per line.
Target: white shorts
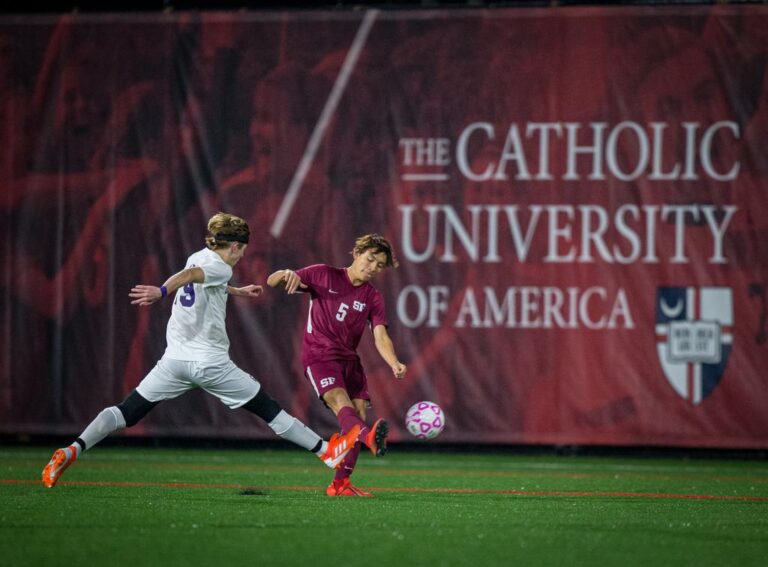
x=170, y=378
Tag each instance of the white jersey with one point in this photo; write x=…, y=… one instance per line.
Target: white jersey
x=196, y=330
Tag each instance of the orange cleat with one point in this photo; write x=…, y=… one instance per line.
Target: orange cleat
x=377, y=438
x=59, y=462
x=345, y=488
x=339, y=446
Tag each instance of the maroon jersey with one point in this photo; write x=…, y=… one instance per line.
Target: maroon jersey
x=338, y=313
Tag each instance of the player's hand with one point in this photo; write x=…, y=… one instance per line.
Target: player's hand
x=145, y=294
x=292, y=281
x=251, y=290
x=399, y=369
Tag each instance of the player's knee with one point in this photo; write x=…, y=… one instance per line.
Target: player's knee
x=282, y=422
x=109, y=420
x=134, y=408
x=336, y=399
x=263, y=406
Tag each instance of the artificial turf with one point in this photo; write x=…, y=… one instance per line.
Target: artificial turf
x=134, y=507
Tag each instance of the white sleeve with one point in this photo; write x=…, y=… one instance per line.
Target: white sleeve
x=216, y=273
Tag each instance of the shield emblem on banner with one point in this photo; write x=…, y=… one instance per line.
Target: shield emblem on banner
x=694, y=337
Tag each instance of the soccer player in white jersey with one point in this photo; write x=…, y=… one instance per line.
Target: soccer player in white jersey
x=342, y=304
x=197, y=354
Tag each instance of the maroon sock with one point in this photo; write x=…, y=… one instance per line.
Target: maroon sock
x=348, y=464
x=348, y=418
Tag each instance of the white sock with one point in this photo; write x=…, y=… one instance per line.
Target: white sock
x=291, y=429
x=108, y=421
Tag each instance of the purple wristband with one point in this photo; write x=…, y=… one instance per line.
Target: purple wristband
x=163, y=291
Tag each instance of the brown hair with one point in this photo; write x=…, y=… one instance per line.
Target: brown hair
x=377, y=243
x=224, y=229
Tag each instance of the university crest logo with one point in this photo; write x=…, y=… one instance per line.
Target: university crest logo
x=694, y=337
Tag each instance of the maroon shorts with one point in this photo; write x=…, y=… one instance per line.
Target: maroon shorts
x=346, y=374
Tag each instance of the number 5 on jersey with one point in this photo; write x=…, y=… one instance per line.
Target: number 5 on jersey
x=342, y=312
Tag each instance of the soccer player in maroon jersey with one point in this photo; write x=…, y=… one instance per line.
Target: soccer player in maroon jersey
x=342, y=303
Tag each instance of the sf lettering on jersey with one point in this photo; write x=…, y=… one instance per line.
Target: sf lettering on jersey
x=338, y=313
x=341, y=314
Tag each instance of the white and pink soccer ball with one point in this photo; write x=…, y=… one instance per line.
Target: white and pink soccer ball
x=425, y=420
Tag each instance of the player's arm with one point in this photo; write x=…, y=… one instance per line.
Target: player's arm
x=387, y=351
x=288, y=279
x=251, y=290
x=149, y=294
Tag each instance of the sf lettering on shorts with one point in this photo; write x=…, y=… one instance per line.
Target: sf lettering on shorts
x=346, y=374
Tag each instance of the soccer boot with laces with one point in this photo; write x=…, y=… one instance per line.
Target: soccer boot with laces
x=339, y=446
x=376, y=439
x=345, y=488
x=59, y=462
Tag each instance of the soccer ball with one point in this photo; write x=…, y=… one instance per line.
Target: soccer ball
x=425, y=420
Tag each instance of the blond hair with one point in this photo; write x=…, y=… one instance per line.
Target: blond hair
x=224, y=228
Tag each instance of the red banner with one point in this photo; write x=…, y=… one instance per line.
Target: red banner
x=577, y=198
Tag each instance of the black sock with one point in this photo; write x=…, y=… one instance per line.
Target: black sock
x=316, y=448
x=81, y=443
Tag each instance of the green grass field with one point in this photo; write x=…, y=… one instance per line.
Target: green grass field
x=133, y=507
